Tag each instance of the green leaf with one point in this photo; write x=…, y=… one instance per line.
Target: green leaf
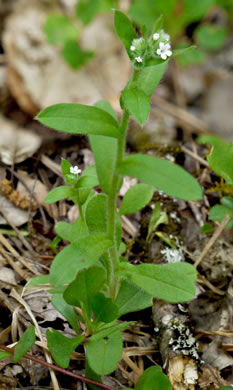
x=106, y=106
x=66, y=310
x=60, y=193
x=86, y=10
x=65, y=167
x=70, y=232
x=210, y=36
x=158, y=24
x=79, y=119
x=147, y=11
x=61, y=347
x=132, y=298
x=150, y=76
x=63, y=230
x=171, y=282
x=105, y=152
x=136, y=198
x=183, y=50
x=124, y=30
x=81, y=254
x=225, y=388
x=59, y=28
x=220, y=157
x=88, y=283
x=74, y=55
x=96, y=216
x=4, y=355
x=38, y=280
x=137, y=103
x=194, y=11
x=103, y=354
x=109, y=329
x=105, y=310
x=24, y=344
x=153, y=378
x=163, y=175
x=219, y=212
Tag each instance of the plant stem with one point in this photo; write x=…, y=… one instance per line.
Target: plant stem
x=112, y=210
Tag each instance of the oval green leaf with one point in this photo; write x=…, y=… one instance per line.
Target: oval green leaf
x=137, y=103
x=79, y=119
x=77, y=256
x=136, y=198
x=25, y=343
x=171, y=282
x=103, y=354
x=163, y=175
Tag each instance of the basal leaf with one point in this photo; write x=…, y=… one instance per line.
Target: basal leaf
x=109, y=329
x=79, y=255
x=25, y=343
x=124, y=29
x=79, y=119
x=220, y=157
x=60, y=193
x=132, y=298
x=61, y=347
x=153, y=378
x=66, y=310
x=38, y=280
x=137, y=103
x=171, y=282
x=88, y=283
x=219, y=212
x=136, y=198
x=163, y=175
x=103, y=354
x=104, y=309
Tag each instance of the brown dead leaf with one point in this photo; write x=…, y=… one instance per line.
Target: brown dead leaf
x=16, y=144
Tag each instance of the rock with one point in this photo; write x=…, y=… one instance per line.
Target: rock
x=38, y=75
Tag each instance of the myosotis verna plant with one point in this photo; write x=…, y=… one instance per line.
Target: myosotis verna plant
x=90, y=274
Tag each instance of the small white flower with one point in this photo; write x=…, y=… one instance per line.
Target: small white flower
x=75, y=170
x=155, y=36
x=164, y=50
x=132, y=48
x=166, y=37
x=138, y=59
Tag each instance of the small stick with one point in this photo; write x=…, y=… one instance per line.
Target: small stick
x=180, y=114
x=18, y=233
x=24, y=275
x=212, y=240
x=195, y=156
x=16, y=255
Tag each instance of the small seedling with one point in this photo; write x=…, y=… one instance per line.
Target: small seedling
x=89, y=274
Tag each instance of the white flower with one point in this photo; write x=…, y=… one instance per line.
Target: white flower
x=138, y=59
x=166, y=36
x=75, y=170
x=164, y=50
x=155, y=36
x=132, y=48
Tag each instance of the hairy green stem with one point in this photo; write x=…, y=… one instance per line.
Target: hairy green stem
x=112, y=210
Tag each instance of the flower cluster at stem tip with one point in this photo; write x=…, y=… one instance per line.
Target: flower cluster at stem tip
x=157, y=46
